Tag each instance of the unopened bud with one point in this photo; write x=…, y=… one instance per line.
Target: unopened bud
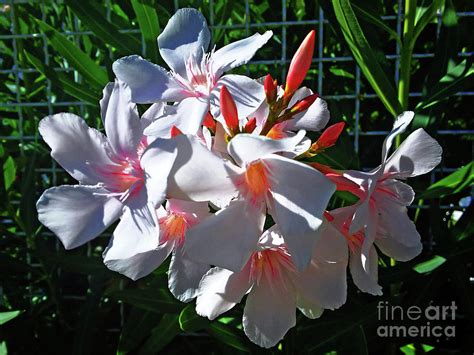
x=229, y=111
x=209, y=122
x=328, y=138
x=270, y=87
x=303, y=104
x=175, y=131
x=300, y=64
x=250, y=125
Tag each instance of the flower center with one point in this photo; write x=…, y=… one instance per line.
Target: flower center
x=271, y=264
x=255, y=183
x=173, y=228
x=200, y=77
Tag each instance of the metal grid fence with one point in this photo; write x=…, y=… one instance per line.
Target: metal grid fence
x=320, y=61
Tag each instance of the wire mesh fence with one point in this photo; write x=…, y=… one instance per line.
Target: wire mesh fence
x=334, y=75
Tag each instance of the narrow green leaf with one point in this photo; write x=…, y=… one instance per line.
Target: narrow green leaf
x=91, y=71
x=162, y=335
x=3, y=348
x=366, y=15
x=427, y=15
x=149, y=25
x=365, y=56
x=429, y=265
x=451, y=184
x=229, y=336
x=7, y=316
x=190, y=321
x=105, y=30
x=9, y=172
x=60, y=81
x=156, y=300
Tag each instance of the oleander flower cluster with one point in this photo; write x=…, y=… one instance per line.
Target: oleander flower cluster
x=218, y=174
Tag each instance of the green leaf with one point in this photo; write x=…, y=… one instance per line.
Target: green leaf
x=162, y=335
x=365, y=56
x=9, y=172
x=138, y=325
x=451, y=184
x=190, y=321
x=61, y=82
x=425, y=16
x=149, y=25
x=375, y=20
x=91, y=71
x=429, y=265
x=229, y=336
x=155, y=300
x=7, y=316
x=457, y=78
x=105, y=30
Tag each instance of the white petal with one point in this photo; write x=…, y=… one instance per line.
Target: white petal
x=104, y=102
x=417, y=155
x=122, y=123
x=184, y=276
x=198, y=210
x=186, y=34
x=331, y=245
x=247, y=93
x=400, y=125
x=157, y=163
x=270, y=311
x=134, y=248
x=403, y=193
x=397, y=234
x=198, y=174
x=238, y=53
x=74, y=145
x=220, y=290
x=187, y=116
x=315, y=118
x=151, y=114
x=365, y=280
x=310, y=310
x=228, y=238
x=78, y=213
x=245, y=148
x=300, y=196
x=149, y=82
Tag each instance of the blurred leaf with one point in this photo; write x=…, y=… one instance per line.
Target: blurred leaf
x=341, y=72
x=429, y=265
x=9, y=172
x=375, y=20
x=105, y=30
x=451, y=184
x=424, y=16
x=79, y=60
x=137, y=327
x=230, y=336
x=149, y=26
x=162, y=335
x=457, y=78
x=60, y=81
x=3, y=348
x=190, y=321
x=155, y=300
x=300, y=9
x=7, y=316
x=81, y=264
x=365, y=56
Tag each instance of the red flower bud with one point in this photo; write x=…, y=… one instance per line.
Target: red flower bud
x=229, y=111
x=270, y=87
x=250, y=125
x=209, y=122
x=303, y=104
x=175, y=131
x=300, y=64
x=328, y=216
x=330, y=136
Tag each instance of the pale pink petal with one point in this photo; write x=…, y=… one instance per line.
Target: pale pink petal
x=228, y=238
x=220, y=290
x=270, y=311
x=197, y=210
x=417, y=155
x=238, y=53
x=331, y=245
x=134, y=247
x=74, y=146
x=149, y=82
x=309, y=309
x=155, y=111
x=399, y=126
x=300, y=195
x=122, y=123
x=315, y=118
x=187, y=116
x=186, y=34
x=399, y=192
x=77, y=213
x=184, y=276
x=245, y=148
x=365, y=279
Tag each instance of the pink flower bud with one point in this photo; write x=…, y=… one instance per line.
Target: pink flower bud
x=304, y=104
x=270, y=87
x=229, y=111
x=300, y=64
x=209, y=122
x=175, y=131
x=329, y=136
x=250, y=125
